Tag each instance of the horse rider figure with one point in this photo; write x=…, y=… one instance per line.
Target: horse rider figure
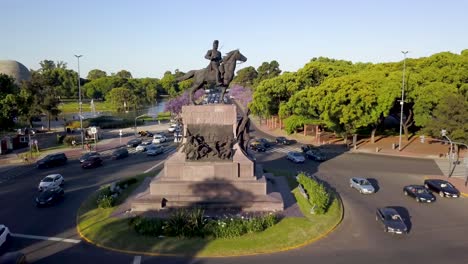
x=215, y=60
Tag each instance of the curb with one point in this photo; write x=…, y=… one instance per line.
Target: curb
x=305, y=243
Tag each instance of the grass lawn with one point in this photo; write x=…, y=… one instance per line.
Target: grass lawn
x=73, y=107
x=97, y=226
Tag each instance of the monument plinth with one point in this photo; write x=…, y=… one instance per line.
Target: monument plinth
x=209, y=171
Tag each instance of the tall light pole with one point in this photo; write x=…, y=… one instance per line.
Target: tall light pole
x=80, y=103
x=402, y=97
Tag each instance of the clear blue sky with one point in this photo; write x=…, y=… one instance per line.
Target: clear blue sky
x=148, y=38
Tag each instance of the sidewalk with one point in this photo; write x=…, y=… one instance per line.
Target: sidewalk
x=382, y=146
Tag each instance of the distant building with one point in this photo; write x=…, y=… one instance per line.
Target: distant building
x=16, y=70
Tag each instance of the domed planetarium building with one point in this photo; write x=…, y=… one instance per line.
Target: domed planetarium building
x=16, y=70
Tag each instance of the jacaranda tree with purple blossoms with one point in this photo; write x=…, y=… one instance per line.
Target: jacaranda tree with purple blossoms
x=241, y=94
x=175, y=104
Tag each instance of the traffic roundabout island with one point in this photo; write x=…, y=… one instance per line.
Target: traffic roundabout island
x=191, y=232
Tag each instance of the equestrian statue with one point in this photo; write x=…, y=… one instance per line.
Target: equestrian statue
x=219, y=72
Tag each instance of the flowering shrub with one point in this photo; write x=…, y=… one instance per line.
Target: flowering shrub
x=174, y=105
x=241, y=94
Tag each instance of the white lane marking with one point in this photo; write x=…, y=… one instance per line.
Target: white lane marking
x=159, y=163
x=137, y=260
x=75, y=241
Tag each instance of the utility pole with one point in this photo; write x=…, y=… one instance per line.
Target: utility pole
x=444, y=134
x=80, y=103
x=402, y=98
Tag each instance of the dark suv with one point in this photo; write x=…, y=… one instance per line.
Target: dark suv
x=120, y=153
x=52, y=160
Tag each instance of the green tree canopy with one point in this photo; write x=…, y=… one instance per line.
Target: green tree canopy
x=96, y=74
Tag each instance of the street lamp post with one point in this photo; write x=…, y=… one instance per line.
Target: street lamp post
x=444, y=134
x=80, y=103
x=402, y=98
x=136, y=123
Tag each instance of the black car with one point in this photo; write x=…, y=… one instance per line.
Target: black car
x=391, y=221
x=134, y=142
x=257, y=146
x=316, y=154
x=283, y=141
x=443, y=188
x=265, y=142
x=120, y=153
x=52, y=160
x=92, y=162
x=88, y=155
x=49, y=196
x=419, y=193
x=307, y=147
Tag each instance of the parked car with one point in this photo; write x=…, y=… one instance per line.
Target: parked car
x=14, y=257
x=51, y=181
x=134, y=142
x=119, y=153
x=88, y=155
x=4, y=235
x=173, y=127
x=257, y=146
x=391, y=221
x=283, y=141
x=295, y=157
x=362, y=185
x=419, y=193
x=316, y=154
x=158, y=138
x=443, y=188
x=52, y=160
x=143, y=146
x=154, y=150
x=265, y=142
x=92, y=162
x=49, y=196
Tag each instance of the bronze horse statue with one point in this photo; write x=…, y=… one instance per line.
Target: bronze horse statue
x=207, y=76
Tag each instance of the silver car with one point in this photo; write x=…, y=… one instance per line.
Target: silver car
x=154, y=150
x=295, y=157
x=362, y=185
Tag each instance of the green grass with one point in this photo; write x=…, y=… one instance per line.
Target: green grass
x=97, y=225
x=73, y=107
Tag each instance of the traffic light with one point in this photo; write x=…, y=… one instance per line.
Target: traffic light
x=422, y=139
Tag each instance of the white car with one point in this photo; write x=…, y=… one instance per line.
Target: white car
x=158, y=138
x=295, y=157
x=154, y=150
x=4, y=235
x=172, y=128
x=143, y=146
x=362, y=185
x=51, y=181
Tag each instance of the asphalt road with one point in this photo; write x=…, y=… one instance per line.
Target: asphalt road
x=437, y=231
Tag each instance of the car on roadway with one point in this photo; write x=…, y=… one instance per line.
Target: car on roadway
x=88, y=155
x=443, y=188
x=154, y=150
x=173, y=127
x=49, y=196
x=92, y=162
x=14, y=257
x=257, y=146
x=295, y=157
x=51, y=181
x=145, y=133
x=52, y=160
x=391, y=221
x=362, y=185
x=134, y=142
x=5, y=235
x=265, y=142
x=316, y=154
x=159, y=138
x=119, y=153
x=283, y=141
x=307, y=147
x=419, y=193
x=143, y=146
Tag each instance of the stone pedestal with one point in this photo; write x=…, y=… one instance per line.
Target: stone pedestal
x=230, y=183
